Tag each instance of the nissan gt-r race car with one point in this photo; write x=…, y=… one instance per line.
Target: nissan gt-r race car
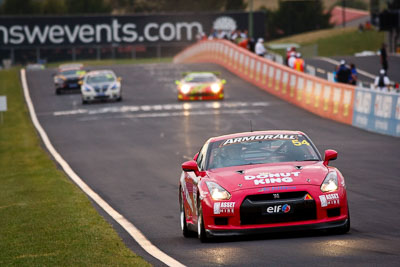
x=68, y=77
x=200, y=86
x=101, y=85
x=261, y=182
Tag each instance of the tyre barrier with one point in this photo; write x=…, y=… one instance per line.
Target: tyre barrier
x=367, y=109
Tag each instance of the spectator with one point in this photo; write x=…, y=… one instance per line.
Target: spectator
x=299, y=63
x=335, y=70
x=384, y=61
x=382, y=81
x=260, y=48
x=343, y=73
x=289, y=52
x=244, y=42
x=353, y=74
x=292, y=59
x=234, y=36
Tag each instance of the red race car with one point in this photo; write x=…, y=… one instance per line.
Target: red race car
x=200, y=86
x=261, y=182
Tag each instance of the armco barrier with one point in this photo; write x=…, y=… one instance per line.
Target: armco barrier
x=329, y=100
x=377, y=111
x=324, y=98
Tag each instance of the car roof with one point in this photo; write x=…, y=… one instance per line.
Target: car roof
x=235, y=135
x=99, y=72
x=71, y=66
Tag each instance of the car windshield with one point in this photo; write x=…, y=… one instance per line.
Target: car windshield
x=201, y=78
x=260, y=149
x=101, y=78
x=69, y=72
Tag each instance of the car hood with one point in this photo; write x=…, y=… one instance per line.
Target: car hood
x=100, y=85
x=278, y=174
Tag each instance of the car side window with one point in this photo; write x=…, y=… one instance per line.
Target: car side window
x=201, y=157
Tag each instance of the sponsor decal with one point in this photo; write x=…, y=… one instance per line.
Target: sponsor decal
x=224, y=207
x=258, y=138
x=271, y=178
x=324, y=203
x=329, y=199
x=276, y=188
x=278, y=209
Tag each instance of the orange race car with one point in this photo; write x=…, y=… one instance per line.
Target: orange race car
x=200, y=86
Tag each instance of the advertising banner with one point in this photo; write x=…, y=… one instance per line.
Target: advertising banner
x=377, y=111
x=128, y=29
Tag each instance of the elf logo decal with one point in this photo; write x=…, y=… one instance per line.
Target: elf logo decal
x=278, y=209
x=270, y=178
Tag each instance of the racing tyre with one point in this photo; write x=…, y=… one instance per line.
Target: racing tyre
x=185, y=230
x=343, y=229
x=119, y=99
x=58, y=91
x=84, y=102
x=201, y=231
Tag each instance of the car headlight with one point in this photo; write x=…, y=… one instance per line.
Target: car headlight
x=185, y=88
x=217, y=192
x=330, y=183
x=215, y=88
x=87, y=88
x=114, y=86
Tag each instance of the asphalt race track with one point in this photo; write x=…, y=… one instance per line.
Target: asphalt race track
x=130, y=153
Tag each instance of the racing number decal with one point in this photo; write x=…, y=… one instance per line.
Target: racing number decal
x=298, y=143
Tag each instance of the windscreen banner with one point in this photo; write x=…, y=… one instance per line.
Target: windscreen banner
x=128, y=29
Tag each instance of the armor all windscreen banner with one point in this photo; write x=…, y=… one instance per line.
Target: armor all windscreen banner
x=133, y=29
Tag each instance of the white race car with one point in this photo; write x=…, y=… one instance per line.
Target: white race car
x=101, y=85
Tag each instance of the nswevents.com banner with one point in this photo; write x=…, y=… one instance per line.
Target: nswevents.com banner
x=145, y=29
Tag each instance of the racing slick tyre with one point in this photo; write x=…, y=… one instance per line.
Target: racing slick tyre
x=201, y=231
x=185, y=230
x=58, y=91
x=119, y=99
x=343, y=229
x=84, y=102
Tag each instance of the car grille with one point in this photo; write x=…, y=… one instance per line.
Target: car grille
x=267, y=208
x=202, y=94
x=101, y=89
x=72, y=80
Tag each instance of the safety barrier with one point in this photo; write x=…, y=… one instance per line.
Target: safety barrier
x=324, y=98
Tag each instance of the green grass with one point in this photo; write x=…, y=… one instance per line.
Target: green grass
x=335, y=42
x=45, y=220
x=108, y=62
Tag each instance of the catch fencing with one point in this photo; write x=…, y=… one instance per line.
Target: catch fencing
x=340, y=102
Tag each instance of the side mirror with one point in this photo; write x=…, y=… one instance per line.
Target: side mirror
x=329, y=155
x=119, y=79
x=190, y=166
x=195, y=156
x=80, y=82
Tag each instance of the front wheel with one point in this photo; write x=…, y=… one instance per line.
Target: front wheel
x=184, y=228
x=201, y=231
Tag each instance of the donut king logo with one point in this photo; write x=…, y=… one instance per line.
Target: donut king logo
x=271, y=178
x=278, y=209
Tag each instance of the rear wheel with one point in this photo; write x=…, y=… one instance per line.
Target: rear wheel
x=58, y=91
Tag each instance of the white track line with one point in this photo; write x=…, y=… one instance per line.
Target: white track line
x=128, y=226
x=335, y=62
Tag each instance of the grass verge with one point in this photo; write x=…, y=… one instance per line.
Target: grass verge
x=336, y=42
x=45, y=220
